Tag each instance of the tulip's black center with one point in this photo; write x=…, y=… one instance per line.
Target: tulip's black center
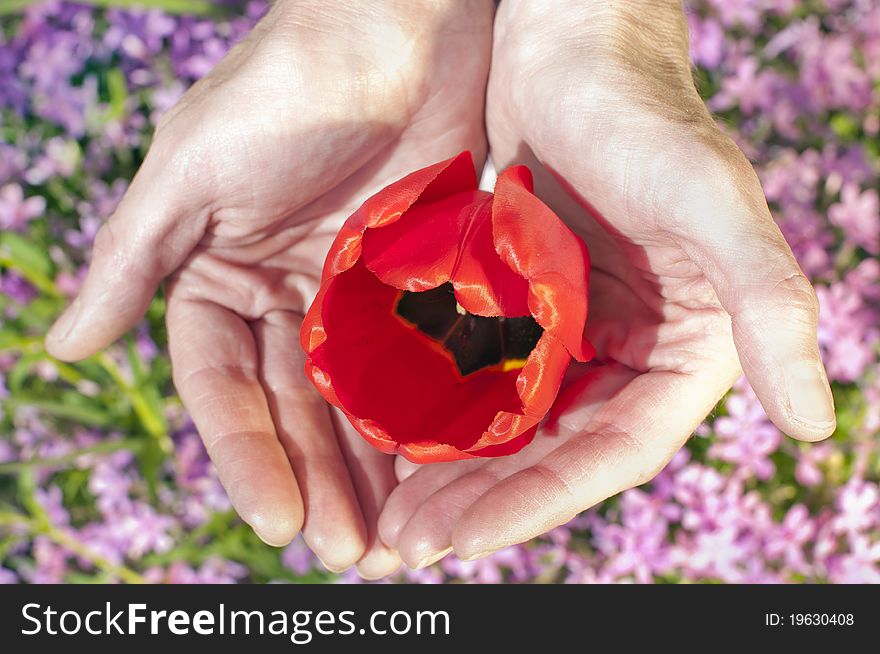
x=475, y=342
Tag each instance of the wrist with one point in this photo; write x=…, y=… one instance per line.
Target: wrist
x=416, y=12
x=634, y=32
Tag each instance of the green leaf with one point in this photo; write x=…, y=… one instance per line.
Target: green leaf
x=117, y=88
x=25, y=255
x=844, y=126
x=71, y=406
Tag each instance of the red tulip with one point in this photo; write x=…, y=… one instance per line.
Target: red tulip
x=447, y=315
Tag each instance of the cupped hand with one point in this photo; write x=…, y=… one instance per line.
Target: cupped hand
x=247, y=181
x=691, y=283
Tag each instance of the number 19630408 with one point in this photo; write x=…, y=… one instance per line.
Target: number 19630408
x=809, y=619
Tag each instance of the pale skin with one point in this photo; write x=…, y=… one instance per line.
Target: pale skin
x=250, y=176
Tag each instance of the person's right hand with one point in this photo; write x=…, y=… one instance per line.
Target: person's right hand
x=247, y=182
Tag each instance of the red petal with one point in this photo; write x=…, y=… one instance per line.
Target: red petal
x=388, y=372
x=510, y=447
x=429, y=184
x=423, y=452
x=431, y=452
x=484, y=284
x=537, y=385
x=535, y=243
x=418, y=252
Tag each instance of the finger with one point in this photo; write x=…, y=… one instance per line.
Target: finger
x=403, y=468
x=427, y=535
x=727, y=229
x=215, y=365
x=373, y=475
x=334, y=527
x=625, y=443
x=409, y=495
x=158, y=222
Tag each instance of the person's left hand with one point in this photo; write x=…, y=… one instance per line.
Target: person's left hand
x=691, y=280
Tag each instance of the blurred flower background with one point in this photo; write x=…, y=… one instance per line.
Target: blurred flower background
x=103, y=478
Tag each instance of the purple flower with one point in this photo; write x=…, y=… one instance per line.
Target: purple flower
x=13, y=160
x=69, y=284
x=748, y=88
x=7, y=449
x=16, y=211
x=7, y=576
x=861, y=565
x=739, y=12
x=50, y=563
x=828, y=71
x=102, y=202
x=146, y=347
x=51, y=500
x=848, y=328
x=17, y=288
x=706, y=41
x=845, y=165
x=858, y=215
x=213, y=571
x=298, y=557
x=488, y=570
x=136, y=33
x=807, y=471
x=60, y=157
x=858, y=506
x=790, y=539
x=110, y=483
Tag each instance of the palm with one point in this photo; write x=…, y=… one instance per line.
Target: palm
x=257, y=268
x=664, y=343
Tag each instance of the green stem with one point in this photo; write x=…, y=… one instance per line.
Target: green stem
x=15, y=467
x=193, y=7
x=38, y=279
x=24, y=344
x=152, y=422
x=65, y=540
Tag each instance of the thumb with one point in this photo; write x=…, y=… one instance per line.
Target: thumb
x=726, y=228
x=149, y=235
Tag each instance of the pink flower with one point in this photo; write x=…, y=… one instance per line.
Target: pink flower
x=298, y=558
x=861, y=565
x=858, y=506
x=807, y=471
x=746, y=89
x=848, y=331
x=790, y=539
x=706, y=41
x=746, y=436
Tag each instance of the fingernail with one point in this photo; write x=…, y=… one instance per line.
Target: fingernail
x=478, y=555
x=330, y=568
x=64, y=325
x=809, y=396
x=431, y=560
x=376, y=575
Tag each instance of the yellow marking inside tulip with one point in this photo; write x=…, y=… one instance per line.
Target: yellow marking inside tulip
x=512, y=364
x=460, y=309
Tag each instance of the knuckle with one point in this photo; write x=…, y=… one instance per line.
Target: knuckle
x=796, y=292
x=106, y=245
